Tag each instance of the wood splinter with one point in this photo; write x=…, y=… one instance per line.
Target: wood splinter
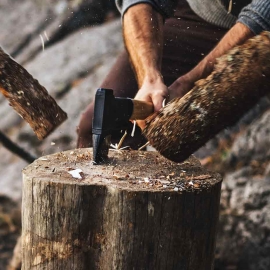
x=28, y=98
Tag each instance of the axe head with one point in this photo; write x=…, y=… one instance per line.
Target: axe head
x=110, y=114
x=28, y=98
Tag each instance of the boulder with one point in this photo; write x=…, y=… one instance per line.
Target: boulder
x=253, y=143
x=244, y=231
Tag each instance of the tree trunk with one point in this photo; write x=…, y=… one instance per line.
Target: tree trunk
x=240, y=78
x=139, y=211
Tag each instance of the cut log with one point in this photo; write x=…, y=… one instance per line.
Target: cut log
x=28, y=98
x=139, y=211
x=240, y=78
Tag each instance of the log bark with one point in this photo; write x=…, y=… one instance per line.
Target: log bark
x=139, y=211
x=28, y=98
x=240, y=78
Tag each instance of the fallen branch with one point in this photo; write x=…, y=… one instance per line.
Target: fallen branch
x=15, y=149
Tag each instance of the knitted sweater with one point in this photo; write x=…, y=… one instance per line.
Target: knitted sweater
x=254, y=14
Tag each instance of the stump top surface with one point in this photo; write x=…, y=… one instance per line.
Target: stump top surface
x=132, y=170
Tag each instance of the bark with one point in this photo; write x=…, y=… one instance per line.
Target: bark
x=31, y=100
x=239, y=80
x=139, y=211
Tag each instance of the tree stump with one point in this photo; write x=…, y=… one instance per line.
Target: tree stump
x=139, y=211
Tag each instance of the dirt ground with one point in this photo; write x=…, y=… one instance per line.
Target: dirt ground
x=10, y=229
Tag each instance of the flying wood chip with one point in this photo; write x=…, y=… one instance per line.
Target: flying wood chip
x=28, y=98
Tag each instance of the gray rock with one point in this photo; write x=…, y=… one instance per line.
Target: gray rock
x=44, y=22
x=75, y=57
x=254, y=143
x=244, y=231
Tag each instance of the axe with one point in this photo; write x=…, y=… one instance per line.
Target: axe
x=28, y=98
x=239, y=79
x=111, y=114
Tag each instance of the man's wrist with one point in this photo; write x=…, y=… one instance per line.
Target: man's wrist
x=202, y=70
x=152, y=78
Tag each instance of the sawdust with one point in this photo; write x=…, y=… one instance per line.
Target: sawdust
x=132, y=170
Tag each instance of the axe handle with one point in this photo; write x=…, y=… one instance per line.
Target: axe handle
x=141, y=110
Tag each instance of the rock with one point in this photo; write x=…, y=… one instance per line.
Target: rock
x=244, y=231
x=16, y=31
x=253, y=143
x=50, y=21
x=76, y=57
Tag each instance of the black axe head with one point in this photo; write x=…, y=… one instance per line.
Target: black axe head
x=110, y=114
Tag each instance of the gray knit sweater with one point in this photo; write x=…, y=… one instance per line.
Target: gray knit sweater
x=254, y=14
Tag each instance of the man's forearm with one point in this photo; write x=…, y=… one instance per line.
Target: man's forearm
x=237, y=35
x=143, y=36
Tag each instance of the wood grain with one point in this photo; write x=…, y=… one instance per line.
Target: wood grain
x=126, y=214
x=28, y=98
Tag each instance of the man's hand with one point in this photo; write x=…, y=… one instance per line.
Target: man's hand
x=154, y=92
x=180, y=87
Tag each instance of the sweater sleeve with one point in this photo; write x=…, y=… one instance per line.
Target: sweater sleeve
x=256, y=16
x=164, y=7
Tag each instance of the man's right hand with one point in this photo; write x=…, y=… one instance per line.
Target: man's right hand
x=154, y=92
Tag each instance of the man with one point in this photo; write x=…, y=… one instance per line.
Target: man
x=178, y=52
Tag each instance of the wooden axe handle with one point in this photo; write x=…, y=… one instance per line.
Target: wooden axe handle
x=141, y=109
